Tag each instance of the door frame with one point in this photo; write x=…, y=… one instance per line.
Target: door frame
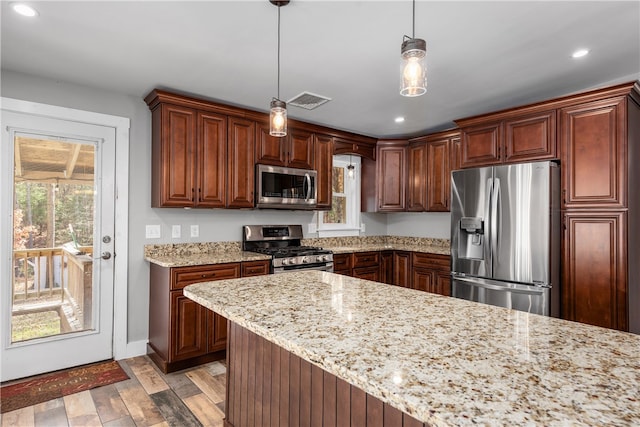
x=121, y=126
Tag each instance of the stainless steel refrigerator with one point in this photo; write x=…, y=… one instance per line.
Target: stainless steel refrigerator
x=505, y=236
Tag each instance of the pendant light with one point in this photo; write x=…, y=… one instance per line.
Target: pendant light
x=413, y=77
x=350, y=168
x=278, y=113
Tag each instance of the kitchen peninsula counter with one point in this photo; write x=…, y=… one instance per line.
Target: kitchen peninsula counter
x=444, y=361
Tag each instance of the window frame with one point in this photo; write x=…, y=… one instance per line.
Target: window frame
x=352, y=194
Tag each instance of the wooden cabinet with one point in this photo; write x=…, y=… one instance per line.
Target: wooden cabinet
x=358, y=148
x=366, y=265
x=188, y=148
x=402, y=268
x=240, y=163
x=293, y=150
x=323, y=164
x=594, y=272
x=183, y=333
x=342, y=264
x=594, y=154
x=389, y=192
x=508, y=138
x=430, y=273
x=417, y=177
x=386, y=267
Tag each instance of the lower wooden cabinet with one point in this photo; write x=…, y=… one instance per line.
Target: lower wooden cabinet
x=431, y=273
x=402, y=269
x=386, y=267
x=182, y=333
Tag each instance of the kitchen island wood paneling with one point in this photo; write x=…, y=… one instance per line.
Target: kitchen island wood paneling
x=443, y=361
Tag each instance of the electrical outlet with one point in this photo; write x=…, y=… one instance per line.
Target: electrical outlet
x=175, y=231
x=152, y=232
x=363, y=228
x=195, y=231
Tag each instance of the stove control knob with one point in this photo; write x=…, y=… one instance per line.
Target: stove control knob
x=322, y=258
x=285, y=261
x=305, y=260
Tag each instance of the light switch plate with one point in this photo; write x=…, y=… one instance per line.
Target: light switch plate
x=152, y=232
x=195, y=231
x=175, y=231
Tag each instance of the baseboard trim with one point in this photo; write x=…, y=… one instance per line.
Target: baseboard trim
x=133, y=349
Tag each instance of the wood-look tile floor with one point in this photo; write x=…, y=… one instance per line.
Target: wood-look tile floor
x=193, y=397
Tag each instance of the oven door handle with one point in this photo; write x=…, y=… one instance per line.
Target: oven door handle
x=322, y=267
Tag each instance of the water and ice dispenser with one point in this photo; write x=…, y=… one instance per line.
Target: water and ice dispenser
x=471, y=241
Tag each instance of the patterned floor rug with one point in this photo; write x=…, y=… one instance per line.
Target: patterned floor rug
x=39, y=389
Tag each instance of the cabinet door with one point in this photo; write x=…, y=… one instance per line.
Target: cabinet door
x=423, y=280
x=212, y=160
x=270, y=150
x=342, y=264
x=173, y=162
x=443, y=283
x=386, y=267
x=241, y=163
x=188, y=328
x=391, y=178
x=300, y=149
x=402, y=269
x=217, y=336
x=417, y=180
x=594, y=159
x=481, y=145
x=456, y=153
x=531, y=137
x=366, y=259
x=323, y=164
x=438, y=176
x=594, y=281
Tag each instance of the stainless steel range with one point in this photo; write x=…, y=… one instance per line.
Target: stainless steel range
x=282, y=242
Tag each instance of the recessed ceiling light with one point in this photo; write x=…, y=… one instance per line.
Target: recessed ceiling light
x=399, y=119
x=580, y=53
x=24, y=9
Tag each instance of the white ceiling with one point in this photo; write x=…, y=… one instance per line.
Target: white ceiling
x=482, y=56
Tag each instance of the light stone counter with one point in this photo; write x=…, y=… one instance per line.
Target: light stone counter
x=442, y=360
x=186, y=254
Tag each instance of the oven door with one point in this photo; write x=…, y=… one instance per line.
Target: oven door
x=285, y=188
x=325, y=266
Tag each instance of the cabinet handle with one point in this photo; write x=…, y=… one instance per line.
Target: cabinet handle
x=210, y=275
x=564, y=196
x=199, y=194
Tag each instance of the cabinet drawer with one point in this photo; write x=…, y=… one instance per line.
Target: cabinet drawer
x=255, y=268
x=342, y=262
x=431, y=261
x=366, y=259
x=183, y=276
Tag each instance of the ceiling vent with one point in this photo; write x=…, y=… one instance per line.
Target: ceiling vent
x=308, y=100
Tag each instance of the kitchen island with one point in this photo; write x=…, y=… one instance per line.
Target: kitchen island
x=441, y=360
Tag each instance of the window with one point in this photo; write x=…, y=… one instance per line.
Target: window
x=344, y=217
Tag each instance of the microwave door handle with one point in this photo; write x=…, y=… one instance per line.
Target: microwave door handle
x=307, y=180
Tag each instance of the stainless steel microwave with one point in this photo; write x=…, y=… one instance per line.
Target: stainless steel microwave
x=285, y=188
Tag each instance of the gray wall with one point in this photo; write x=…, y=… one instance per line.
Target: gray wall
x=416, y=224
x=215, y=225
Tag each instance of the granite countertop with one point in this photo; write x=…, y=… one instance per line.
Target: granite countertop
x=445, y=361
x=186, y=254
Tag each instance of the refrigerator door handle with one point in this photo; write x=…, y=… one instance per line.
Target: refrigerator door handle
x=495, y=217
x=498, y=286
x=488, y=251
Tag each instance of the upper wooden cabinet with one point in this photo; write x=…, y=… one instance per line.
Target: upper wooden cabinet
x=430, y=161
x=417, y=177
x=294, y=150
x=391, y=176
x=323, y=164
x=349, y=146
x=517, y=137
x=241, y=163
x=211, y=157
x=594, y=154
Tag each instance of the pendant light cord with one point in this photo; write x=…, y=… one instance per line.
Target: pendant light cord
x=279, y=52
x=414, y=20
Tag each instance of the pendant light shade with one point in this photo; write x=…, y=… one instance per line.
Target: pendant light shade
x=413, y=56
x=413, y=80
x=278, y=108
x=278, y=118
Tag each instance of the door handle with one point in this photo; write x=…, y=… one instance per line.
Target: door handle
x=105, y=255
